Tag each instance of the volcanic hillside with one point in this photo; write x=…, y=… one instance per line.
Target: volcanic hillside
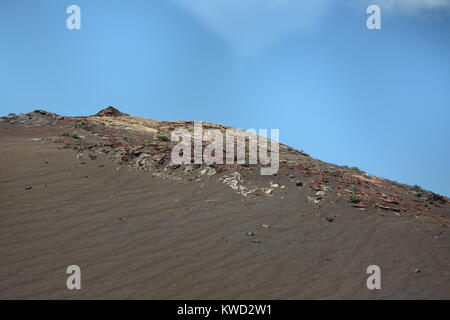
x=102, y=192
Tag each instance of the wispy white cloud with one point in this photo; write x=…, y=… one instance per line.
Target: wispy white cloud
x=252, y=25
x=249, y=26
x=413, y=5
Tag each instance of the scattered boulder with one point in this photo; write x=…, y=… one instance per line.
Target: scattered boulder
x=384, y=207
x=435, y=197
x=274, y=185
x=142, y=160
x=315, y=185
x=159, y=158
x=208, y=171
x=188, y=170
x=320, y=195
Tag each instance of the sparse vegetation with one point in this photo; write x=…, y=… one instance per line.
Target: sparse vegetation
x=403, y=185
x=127, y=139
x=78, y=125
x=416, y=188
x=332, y=171
x=163, y=138
x=354, y=169
x=329, y=219
x=66, y=134
x=353, y=198
x=357, y=170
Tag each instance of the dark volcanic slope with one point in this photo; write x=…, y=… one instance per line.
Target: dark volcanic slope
x=105, y=197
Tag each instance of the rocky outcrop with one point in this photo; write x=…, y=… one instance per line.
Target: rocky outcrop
x=110, y=112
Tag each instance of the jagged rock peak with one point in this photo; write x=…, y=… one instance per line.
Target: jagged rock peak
x=110, y=112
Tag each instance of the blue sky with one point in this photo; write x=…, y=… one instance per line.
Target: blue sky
x=378, y=100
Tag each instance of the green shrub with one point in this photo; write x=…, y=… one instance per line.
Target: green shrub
x=416, y=188
x=163, y=138
x=356, y=170
x=66, y=134
x=353, y=198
